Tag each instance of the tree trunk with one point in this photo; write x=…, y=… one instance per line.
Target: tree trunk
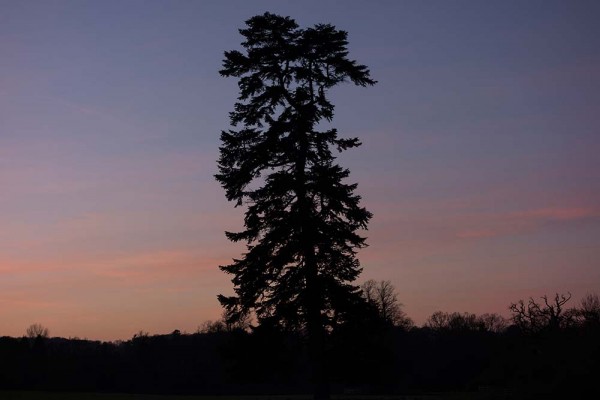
x=316, y=332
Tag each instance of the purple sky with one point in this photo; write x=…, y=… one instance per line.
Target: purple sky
x=480, y=157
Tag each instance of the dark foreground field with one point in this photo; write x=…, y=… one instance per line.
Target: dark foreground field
x=22, y=395
x=457, y=362
x=32, y=395
x=104, y=396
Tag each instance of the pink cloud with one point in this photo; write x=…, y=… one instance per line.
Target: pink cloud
x=560, y=214
x=486, y=226
x=476, y=234
x=144, y=268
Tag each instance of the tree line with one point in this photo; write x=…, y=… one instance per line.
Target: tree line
x=544, y=348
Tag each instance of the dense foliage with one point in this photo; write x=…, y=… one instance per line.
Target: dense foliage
x=301, y=217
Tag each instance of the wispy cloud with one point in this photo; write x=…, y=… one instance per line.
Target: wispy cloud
x=477, y=233
x=558, y=214
x=514, y=223
x=143, y=268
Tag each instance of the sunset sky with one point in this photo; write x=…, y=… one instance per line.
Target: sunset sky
x=480, y=157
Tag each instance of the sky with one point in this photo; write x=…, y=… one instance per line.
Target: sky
x=479, y=159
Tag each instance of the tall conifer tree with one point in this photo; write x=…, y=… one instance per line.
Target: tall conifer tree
x=302, y=218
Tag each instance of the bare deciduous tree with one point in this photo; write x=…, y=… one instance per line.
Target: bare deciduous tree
x=212, y=327
x=37, y=330
x=438, y=320
x=382, y=295
x=242, y=322
x=534, y=316
x=493, y=322
x=456, y=321
x=590, y=309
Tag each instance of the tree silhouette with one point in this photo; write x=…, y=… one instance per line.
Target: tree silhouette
x=37, y=331
x=382, y=296
x=493, y=322
x=534, y=316
x=590, y=309
x=301, y=217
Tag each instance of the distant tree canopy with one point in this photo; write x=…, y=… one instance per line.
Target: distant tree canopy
x=302, y=218
x=462, y=322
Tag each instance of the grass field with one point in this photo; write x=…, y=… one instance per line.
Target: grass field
x=116, y=396
x=105, y=396
x=27, y=395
